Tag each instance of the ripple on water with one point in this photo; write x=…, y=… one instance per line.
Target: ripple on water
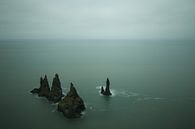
x=121, y=93
x=130, y=94
x=54, y=110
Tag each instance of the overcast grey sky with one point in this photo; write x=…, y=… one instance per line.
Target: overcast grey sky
x=97, y=19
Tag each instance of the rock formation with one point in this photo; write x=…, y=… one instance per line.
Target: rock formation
x=56, y=90
x=72, y=105
x=106, y=92
x=44, y=89
x=102, y=90
x=54, y=94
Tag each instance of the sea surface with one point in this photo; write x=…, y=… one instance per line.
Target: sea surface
x=153, y=83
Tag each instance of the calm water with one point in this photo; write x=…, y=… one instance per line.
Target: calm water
x=153, y=83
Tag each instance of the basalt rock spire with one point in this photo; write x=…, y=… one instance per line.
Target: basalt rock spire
x=106, y=91
x=54, y=94
x=44, y=89
x=56, y=90
x=72, y=105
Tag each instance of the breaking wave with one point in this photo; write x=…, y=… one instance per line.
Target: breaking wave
x=130, y=94
x=121, y=93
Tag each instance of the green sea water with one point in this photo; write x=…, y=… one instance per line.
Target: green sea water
x=153, y=83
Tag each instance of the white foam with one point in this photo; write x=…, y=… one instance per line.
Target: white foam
x=83, y=113
x=130, y=94
x=149, y=98
x=124, y=93
x=54, y=110
x=157, y=98
x=98, y=87
x=121, y=93
x=37, y=97
x=54, y=104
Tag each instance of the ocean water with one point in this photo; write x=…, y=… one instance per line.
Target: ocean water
x=153, y=83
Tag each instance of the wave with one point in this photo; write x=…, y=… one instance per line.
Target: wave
x=120, y=92
x=149, y=98
x=54, y=110
x=54, y=104
x=130, y=94
x=113, y=91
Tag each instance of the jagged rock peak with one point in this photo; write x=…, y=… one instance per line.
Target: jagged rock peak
x=54, y=94
x=44, y=81
x=45, y=77
x=106, y=92
x=72, y=91
x=72, y=105
x=44, y=87
x=56, y=82
x=102, y=90
x=56, y=90
x=107, y=82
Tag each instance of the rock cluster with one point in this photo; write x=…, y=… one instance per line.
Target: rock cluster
x=106, y=91
x=72, y=105
x=55, y=94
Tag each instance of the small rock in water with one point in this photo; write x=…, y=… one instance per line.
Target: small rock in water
x=106, y=92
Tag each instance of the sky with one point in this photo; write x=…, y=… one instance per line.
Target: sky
x=97, y=19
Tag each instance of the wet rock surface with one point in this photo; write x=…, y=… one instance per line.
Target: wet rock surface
x=72, y=105
x=54, y=94
x=106, y=91
x=56, y=90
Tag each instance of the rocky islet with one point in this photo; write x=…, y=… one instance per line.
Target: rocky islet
x=72, y=104
x=106, y=91
x=54, y=94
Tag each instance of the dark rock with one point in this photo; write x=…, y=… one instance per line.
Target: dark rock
x=44, y=87
x=106, y=92
x=102, y=90
x=35, y=91
x=56, y=90
x=55, y=94
x=72, y=105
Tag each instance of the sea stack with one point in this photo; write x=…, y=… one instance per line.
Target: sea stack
x=106, y=92
x=56, y=90
x=55, y=94
x=44, y=89
x=72, y=105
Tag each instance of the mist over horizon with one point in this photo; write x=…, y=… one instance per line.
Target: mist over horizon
x=111, y=64
x=90, y=19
